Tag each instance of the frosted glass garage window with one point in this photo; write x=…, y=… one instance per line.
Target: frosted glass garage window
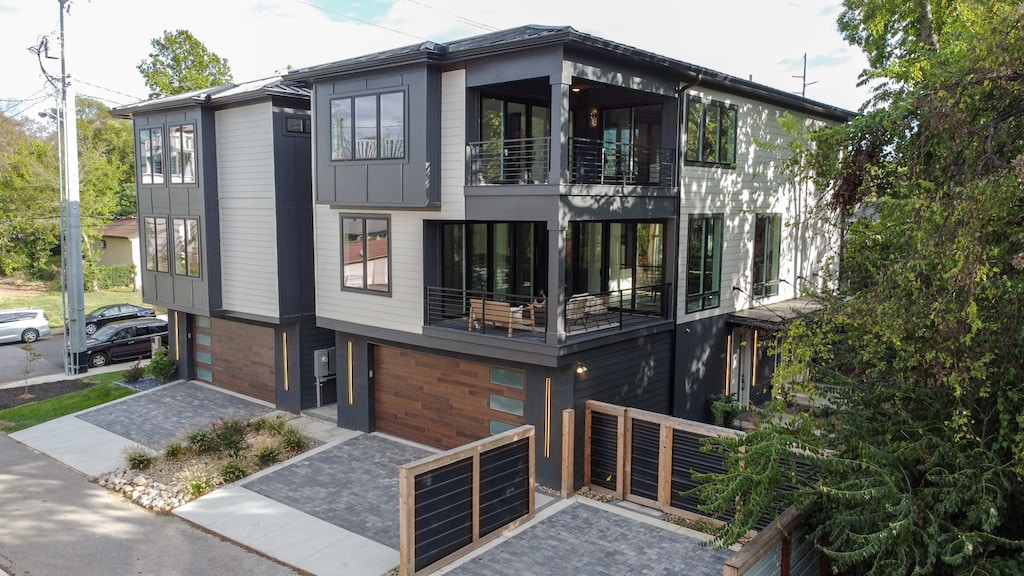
x=505, y=404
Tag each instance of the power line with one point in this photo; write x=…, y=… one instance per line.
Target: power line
x=133, y=98
x=455, y=17
x=360, y=20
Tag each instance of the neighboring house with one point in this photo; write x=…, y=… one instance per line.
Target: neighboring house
x=119, y=246
x=509, y=225
x=225, y=207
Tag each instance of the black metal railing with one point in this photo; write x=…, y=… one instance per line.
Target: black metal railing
x=516, y=161
x=616, y=309
x=486, y=312
x=598, y=162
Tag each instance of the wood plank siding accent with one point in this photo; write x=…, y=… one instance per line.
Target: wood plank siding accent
x=242, y=357
x=248, y=217
x=438, y=401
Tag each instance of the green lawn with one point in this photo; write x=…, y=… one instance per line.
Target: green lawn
x=51, y=302
x=28, y=415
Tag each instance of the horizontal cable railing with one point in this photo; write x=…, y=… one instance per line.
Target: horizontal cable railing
x=516, y=161
x=616, y=309
x=598, y=162
x=485, y=312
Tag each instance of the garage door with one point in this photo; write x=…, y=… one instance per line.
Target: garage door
x=443, y=402
x=235, y=356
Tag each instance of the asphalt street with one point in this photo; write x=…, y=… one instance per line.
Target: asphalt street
x=54, y=522
x=51, y=360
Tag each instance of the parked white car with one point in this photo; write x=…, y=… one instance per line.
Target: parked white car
x=23, y=325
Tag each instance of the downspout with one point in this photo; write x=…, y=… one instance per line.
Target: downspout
x=678, y=165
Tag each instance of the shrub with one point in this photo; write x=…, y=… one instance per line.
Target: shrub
x=134, y=373
x=196, y=480
x=229, y=435
x=174, y=451
x=138, y=458
x=269, y=425
x=292, y=440
x=232, y=471
x=267, y=456
x=107, y=277
x=161, y=366
x=725, y=409
x=202, y=441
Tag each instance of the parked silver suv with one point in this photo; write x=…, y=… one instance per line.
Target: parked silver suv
x=23, y=325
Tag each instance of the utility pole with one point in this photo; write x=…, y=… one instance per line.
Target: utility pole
x=74, y=284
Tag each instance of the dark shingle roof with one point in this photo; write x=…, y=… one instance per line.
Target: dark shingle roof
x=226, y=93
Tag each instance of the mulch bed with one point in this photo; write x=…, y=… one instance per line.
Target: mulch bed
x=11, y=397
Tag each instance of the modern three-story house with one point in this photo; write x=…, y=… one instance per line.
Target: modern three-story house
x=225, y=217
x=508, y=225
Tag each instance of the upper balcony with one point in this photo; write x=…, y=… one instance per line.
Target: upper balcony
x=528, y=161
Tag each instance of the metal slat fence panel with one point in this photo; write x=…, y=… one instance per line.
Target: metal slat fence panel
x=805, y=558
x=604, y=447
x=687, y=458
x=504, y=485
x=443, y=511
x=644, y=450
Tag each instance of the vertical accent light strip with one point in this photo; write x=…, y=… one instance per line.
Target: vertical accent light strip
x=547, y=417
x=728, y=365
x=177, y=348
x=753, y=377
x=351, y=389
x=284, y=354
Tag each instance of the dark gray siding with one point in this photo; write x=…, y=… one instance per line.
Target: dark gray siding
x=701, y=349
x=410, y=182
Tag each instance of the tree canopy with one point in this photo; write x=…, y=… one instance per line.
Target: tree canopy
x=181, y=63
x=918, y=455
x=30, y=183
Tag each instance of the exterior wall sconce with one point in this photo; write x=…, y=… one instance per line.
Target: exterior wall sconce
x=580, y=368
x=593, y=117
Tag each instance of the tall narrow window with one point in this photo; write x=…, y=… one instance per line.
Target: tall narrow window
x=366, y=250
x=368, y=127
x=151, y=156
x=183, y=154
x=156, y=244
x=186, y=247
x=710, y=133
x=703, y=263
x=767, y=244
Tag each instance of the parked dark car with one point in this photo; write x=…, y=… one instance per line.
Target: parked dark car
x=124, y=340
x=114, y=312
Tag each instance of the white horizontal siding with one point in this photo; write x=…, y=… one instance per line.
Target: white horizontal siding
x=759, y=184
x=248, y=220
x=403, y=309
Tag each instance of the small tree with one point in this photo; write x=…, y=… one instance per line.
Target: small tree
x=181, y=63
x=27, y=360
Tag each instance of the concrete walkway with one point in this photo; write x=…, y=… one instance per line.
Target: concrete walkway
x=334, y=510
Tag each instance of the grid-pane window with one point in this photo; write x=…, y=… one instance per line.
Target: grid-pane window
x=183, y=154
x=186, y=247
x=767, y=244
x=710, y=133
x=703, y=263
x=366, y=250
x=156, y=244
x=368, y=127
x=151, y=156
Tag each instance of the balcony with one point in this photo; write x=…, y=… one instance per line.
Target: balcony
x=519, y=317
x=594, y=162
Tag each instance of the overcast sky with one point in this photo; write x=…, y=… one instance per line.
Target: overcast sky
x=760, y=39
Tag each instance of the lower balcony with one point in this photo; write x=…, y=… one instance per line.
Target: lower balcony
x=521, y=317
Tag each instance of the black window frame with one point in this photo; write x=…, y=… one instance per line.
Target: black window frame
x=188, y=269
x=175, y=154
x=765, y=265
x=152, y=244
x=698, y=130
x=365, y=253
x=305, y=124
x=352, y=107
x=146, y=152
x=709, y=297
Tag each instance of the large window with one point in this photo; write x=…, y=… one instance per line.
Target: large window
x=368, y=127
x=366, y=249
x=183, y=154
x=186, y=247
x=615, y=257
x=156, y=244
x=767, y=243
x=500, y=258
x=710, y=133
x=151, y=156
x=703, y=263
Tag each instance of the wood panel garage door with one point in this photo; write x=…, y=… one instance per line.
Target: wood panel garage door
x=443, y=402
x=235, y=356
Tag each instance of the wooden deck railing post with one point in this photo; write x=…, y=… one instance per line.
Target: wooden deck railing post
x=568, y=452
